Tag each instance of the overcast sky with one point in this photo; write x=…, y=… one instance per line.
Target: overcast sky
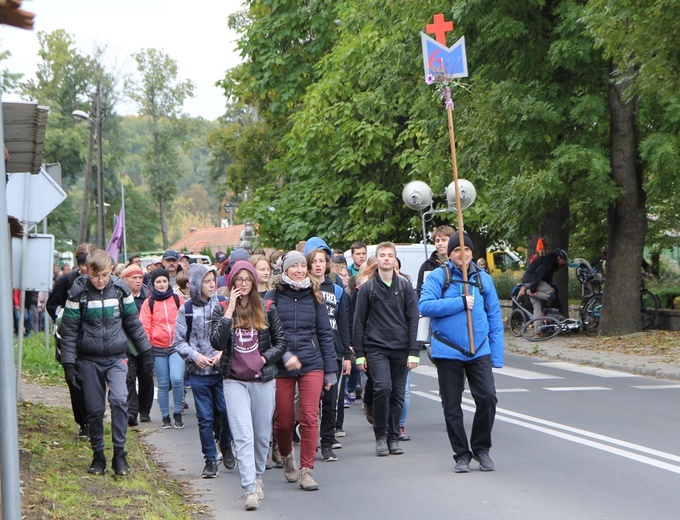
x=195, y=34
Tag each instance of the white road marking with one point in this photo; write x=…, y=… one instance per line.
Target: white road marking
x=591, y=371
x=506, y=390
x=523, y=374
x=426, y=370
x=655, y=387
x=574, y=388
x=614, y=446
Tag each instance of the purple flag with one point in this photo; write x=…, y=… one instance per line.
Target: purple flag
x=116, y=241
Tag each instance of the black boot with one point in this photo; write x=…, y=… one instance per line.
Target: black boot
x=98, y=465
x=119, y=462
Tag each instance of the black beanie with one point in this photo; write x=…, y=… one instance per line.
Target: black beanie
x=454, y=242
x=159, y=272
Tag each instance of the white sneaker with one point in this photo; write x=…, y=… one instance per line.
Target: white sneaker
x=252, y=501
x=260, y=488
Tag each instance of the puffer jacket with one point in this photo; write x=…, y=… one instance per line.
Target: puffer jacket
x=308, y=331
x=449, y=319
x=160, y=326
x=101, y=332
x=199, y=342
x=271, y=342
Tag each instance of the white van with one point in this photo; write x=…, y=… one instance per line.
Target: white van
x=411, y=256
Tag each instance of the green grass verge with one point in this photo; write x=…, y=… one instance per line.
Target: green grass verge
x=38, y=363
x=55, y=483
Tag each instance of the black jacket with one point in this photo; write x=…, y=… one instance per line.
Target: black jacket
x=428, y=265
x=541, y=269
x=335, y=298
x=308, y=330
x=271, y=341
x=100, y=331
x=59, y=293
x=386, y=317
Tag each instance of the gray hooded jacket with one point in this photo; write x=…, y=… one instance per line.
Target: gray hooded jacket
x=199, y=342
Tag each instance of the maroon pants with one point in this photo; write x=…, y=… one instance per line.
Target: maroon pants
x=309, y=390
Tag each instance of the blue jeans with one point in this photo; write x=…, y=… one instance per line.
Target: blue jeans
x=209, y=401
x=170, y=370
x=407, y=400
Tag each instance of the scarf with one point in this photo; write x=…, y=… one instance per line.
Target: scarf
x=159, y=296
x=302, y=284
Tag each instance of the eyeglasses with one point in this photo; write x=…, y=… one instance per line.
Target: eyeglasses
x=241, y=281
x=100, y=277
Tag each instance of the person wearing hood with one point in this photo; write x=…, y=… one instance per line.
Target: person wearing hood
x=309, y=364
x=158, y=316
x=318, y=256
x=452, y=353
x=192, y=341
x=252, y=340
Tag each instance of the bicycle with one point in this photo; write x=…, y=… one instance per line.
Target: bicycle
x=591, y=307
x=522, y=311
x=548, y=326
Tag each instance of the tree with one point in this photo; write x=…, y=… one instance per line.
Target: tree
x=160, y=96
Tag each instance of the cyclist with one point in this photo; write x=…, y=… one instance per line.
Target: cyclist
x=538, y=279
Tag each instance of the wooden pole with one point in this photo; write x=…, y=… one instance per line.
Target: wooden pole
x=459, y=212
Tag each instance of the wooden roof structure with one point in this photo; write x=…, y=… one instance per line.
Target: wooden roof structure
x=216, y=239
x=24, y=129
x=10, y=14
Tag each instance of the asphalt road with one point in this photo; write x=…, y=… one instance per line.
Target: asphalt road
x=570, y=442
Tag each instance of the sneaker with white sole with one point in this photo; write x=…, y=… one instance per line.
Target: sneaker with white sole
x=252, y=501
x=260, y=488
x=327, y=454
x=177, y=421
x=462, y=464
x=485, y=462
x=210, y=470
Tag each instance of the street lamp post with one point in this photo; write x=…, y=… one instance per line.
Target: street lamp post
x=96, y=121
x=122, y=176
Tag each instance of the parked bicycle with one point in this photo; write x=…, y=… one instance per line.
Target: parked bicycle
x=591, y=306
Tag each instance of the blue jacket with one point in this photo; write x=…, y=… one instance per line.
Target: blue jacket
x=449, y=319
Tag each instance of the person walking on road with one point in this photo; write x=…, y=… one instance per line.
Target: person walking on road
x=384, y=334
x=252, y=341
x=442, y=298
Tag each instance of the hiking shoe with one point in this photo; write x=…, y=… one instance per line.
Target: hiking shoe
x=166, y=423
x=394, y=448
x=260, y=488
x=98, y=465
x=210, y=470
x=291, y=473
x=485, y=462
x=296, y=434
x=252, y=501
x=306, y=481
x=84, y=432
x=352, y=397
x=403, y=435
x=177, y=421
x=327, y=454
x=144, y=417
x=277, y=459
x=381, y=448
x=462, y=464
x=337, y=445
x=132, y=419
x=228, y=458
x=119, y=464
x=339, y=432
x=368, y=411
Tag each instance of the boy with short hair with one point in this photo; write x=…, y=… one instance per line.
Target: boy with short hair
x=100, y=315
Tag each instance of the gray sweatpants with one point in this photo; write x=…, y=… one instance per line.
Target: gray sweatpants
x=96, y=376
x=543, y=293
x=251, y=411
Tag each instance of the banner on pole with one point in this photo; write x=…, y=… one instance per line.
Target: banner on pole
x=116, y=242
x=440, y=60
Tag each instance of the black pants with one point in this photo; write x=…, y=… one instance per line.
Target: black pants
x=138, y=401
x=452, y=374
x=388, y=372
x=329, y=411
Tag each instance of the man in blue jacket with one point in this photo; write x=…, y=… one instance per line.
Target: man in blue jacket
x=452, y=355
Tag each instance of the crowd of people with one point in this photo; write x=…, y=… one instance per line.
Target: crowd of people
x=274, y=347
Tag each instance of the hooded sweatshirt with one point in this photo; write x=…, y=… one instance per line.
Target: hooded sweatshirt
x=199, y=341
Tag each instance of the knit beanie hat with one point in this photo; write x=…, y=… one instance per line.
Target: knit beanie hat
x=242, y=265
x=159, y=272
x=292, y=257
x=454, y=242
x=131, y=270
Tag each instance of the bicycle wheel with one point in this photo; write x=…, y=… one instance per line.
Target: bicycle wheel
x=590, y=313
x=649, y=307
x=517, y=319
x=541, y=329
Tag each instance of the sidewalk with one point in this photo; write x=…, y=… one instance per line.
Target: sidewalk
x=651, y=353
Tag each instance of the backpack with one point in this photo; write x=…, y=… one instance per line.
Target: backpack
x=189, y=313
x=175, y=297
x=399, y=287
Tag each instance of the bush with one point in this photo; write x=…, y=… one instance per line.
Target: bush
x=505, y=281
x=666, y=288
